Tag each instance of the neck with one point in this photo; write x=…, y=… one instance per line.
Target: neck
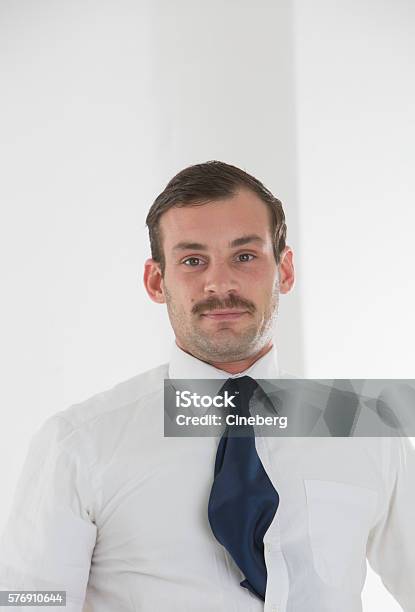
x=235, y=367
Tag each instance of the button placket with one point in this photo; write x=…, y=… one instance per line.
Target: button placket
x=277, y=589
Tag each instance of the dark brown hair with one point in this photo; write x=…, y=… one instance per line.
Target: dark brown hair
x=203, y=183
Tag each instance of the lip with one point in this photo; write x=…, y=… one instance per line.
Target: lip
x=224, y=315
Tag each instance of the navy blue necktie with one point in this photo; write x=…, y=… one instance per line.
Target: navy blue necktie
x=243, y=501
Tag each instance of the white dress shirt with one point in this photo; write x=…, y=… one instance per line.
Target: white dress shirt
x=115, y=514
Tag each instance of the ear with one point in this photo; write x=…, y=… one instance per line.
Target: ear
x=153, y=281
x=286, y=270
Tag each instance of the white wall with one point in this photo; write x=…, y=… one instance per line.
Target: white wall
x=356, y=133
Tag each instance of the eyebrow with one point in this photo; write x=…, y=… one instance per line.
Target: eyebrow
x=198, y=246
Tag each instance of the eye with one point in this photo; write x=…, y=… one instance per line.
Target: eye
x=245, y=257
x=193, y=262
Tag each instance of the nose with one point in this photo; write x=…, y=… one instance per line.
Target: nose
x=220, y=280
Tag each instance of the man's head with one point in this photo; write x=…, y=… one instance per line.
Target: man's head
x=219, y=260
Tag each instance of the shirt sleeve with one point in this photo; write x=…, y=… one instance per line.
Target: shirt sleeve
x=49, y=537
x=391, y=545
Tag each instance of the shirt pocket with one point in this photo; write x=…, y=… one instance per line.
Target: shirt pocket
x=339, y=520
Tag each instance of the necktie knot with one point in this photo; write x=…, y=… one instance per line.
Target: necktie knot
x=242, y=390
x=246, y=386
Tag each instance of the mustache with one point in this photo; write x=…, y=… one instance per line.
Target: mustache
x=214, y=303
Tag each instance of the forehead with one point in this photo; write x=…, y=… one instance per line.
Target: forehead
x=217, y=222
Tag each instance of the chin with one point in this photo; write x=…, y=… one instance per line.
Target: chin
x=225, y=351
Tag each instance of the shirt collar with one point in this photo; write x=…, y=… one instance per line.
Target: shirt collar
x=185, y=367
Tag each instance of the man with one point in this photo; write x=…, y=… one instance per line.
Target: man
x=116, y=514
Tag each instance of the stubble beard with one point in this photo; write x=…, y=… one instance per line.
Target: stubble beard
x=225, y=345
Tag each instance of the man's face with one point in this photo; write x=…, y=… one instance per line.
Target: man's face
x=221, y=280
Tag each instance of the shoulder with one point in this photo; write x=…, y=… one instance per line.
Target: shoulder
x=112, y=403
